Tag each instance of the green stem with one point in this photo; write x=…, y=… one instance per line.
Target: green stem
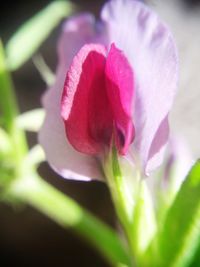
x=136, y=215
x=118, y=191
x=8, y=103
x=67, y=213
x=9, y=109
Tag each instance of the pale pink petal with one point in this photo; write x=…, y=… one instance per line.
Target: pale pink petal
x=179, y=161
x=159, y=144
x=76, y=32
x=60, y=154
x=150, y=49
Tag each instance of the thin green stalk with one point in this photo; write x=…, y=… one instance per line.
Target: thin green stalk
x=136, y=215
x=119, y=187
x=116, y=184
x=67, y=213
x=9, y=110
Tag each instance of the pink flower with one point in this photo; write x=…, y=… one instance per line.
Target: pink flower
x=96, y=100
x=121, y=79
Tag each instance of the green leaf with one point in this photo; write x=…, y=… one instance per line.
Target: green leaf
x=31, y=120
x=34, y=32
x=180, y=235
x=5, y=143
x=8, y=105
x=9, y=110
x=196, y=259
x=35, y=156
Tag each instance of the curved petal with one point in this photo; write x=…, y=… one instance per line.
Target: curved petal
x=98, y=91
x=76, y=32
x=157, y=149
x=62, y=157
x=120, y=90
x=178, y=164
x=149, y=46
x=84, y=100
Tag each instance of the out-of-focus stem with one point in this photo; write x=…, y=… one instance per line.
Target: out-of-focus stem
x=67, y=213
x=9, y=110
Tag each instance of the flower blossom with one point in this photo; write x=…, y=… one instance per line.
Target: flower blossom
x=98, y=94
x=116, y=78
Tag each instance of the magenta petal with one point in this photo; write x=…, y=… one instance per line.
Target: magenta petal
x=97, y=98
x=120, y=89
x=85, y=107
x=149, y=46
x=63, y=158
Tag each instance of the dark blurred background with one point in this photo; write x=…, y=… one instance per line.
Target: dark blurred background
x=27, y=238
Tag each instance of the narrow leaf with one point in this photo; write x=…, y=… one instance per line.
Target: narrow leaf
x=33, y=33
x=35, y=156
x=180, y=234
x=5, y=142
x=31, y=120
x=9, y=109
x=8, y=106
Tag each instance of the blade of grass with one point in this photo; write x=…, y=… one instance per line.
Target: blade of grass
x=33, y=33
x=180, y=235
x=31, y=120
